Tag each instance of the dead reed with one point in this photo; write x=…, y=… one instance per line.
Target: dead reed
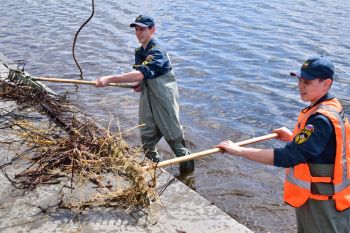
x=83, y=158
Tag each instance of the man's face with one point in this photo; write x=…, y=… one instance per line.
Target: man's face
x=143, y=34
x=313, y=90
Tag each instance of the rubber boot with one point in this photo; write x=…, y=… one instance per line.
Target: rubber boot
x=187, y=166
x=152, y=154
x=180, y=150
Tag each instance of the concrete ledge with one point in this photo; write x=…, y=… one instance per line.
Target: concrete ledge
x=178, y=210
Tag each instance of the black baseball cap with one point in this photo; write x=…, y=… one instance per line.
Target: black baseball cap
x=143, y=21
x=316, y=67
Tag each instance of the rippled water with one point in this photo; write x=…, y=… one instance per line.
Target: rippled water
x=231, y=58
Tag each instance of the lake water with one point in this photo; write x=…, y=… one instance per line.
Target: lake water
x=232, y=61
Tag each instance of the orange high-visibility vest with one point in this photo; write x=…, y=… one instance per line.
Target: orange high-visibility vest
x=297, y=185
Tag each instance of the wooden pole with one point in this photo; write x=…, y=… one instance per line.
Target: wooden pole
x=61, y=80
x=209, y=152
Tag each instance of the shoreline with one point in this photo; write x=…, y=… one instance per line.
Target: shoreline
x=180, y=209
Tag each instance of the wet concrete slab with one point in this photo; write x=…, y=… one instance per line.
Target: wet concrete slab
x=179, y=208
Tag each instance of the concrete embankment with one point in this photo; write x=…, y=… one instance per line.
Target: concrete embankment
x=179, y=209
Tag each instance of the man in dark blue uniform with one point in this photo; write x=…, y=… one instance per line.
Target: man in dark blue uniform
x=316, y=155
x=159, y=109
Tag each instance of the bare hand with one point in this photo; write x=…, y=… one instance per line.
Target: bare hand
x=284, y=134
x=230, y=147
x=103, y=81
x=137, y=88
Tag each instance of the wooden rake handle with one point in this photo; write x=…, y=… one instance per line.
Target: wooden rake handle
x=209, y=152
x=61, y=80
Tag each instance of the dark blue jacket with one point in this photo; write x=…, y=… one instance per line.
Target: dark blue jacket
x=153, y=61
x=318, y=148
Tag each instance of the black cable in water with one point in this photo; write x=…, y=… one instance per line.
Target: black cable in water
x=76, y=36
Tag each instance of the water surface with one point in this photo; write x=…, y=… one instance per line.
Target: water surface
x=231, y=59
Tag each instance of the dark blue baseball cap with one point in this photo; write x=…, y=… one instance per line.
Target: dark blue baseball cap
x=143, y=21
x=316, y=67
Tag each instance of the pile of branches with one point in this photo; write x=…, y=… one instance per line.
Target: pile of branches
x=85, y=157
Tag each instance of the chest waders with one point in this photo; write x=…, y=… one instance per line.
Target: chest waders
x=159, y=111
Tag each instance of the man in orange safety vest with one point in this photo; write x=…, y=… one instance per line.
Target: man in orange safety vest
x=317, y=155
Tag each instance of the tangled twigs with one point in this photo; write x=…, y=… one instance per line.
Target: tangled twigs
x=97, y=162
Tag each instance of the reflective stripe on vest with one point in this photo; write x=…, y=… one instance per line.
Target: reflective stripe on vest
x=298, y=189
x=301, y=183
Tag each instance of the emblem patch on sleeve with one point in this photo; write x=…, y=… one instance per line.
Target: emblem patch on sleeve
x=148, y=59
x=304, y=135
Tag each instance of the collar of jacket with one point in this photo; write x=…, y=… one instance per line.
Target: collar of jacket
x=323, y=98
x=150, y=45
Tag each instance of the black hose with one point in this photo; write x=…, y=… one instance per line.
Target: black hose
x=76, y=36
